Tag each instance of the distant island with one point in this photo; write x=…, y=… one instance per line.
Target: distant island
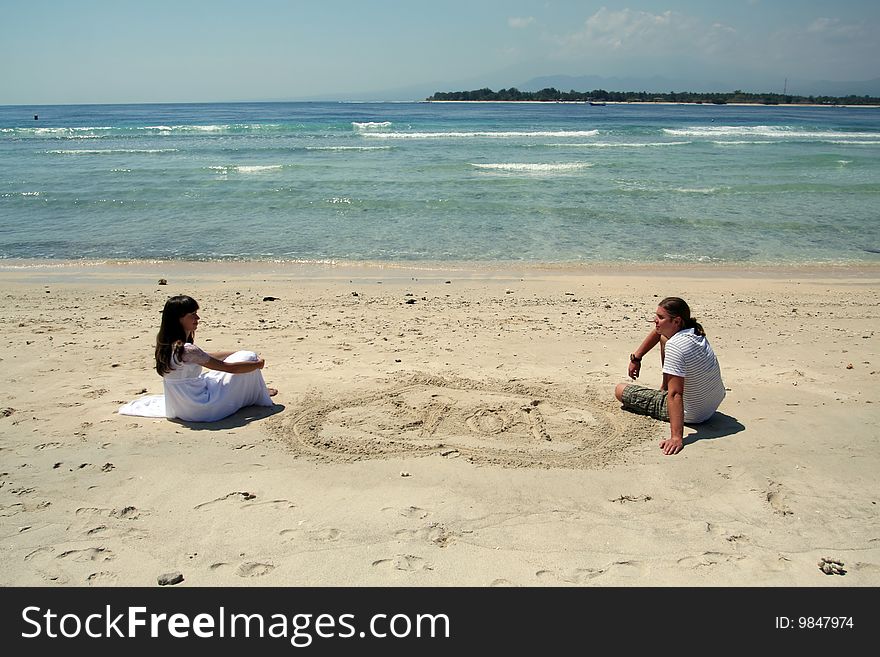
x=551, y=94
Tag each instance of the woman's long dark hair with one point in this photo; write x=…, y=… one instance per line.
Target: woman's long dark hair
x=678, y=308
x=171, y=337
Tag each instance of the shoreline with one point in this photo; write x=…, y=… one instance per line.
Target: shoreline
x=651, y=102
x=98, y=269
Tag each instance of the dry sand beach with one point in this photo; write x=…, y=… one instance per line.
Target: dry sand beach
x=439, y=427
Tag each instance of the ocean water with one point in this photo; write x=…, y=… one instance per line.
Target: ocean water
x=552, y=182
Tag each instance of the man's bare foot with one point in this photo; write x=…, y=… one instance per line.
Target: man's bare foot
x=272, y=391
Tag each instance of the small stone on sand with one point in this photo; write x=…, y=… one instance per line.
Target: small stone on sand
x=170, y=579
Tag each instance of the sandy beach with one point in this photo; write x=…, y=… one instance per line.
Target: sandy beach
x=439, y=427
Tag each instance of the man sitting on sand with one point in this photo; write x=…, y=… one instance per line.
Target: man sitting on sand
x=692, y=388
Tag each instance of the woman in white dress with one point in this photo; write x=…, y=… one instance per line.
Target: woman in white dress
x=233, y=381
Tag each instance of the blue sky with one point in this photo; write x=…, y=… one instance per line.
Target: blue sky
x=56, y=51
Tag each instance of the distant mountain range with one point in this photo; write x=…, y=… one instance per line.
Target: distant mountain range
x=661, y=84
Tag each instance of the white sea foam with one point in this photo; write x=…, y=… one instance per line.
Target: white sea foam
x=366, y=126
x=532, y=167
x=855, y=142
x=259, y=168
x=743, y=142
x=112, y=151
x=487, y=134
x=59, y=133
x=844, y=162
x=167, y=129
x=11, y=194
x=348, y=148
x=339, y=199
x=253, y=168
x=203, y=128
x=691, y=257
x=187, y=128
x=765, y=131
x=607, y=144
x=695, y=190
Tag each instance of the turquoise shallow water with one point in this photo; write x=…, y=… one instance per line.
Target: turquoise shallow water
x=441, y=182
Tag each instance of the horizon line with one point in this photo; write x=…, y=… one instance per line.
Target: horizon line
x=355, y=99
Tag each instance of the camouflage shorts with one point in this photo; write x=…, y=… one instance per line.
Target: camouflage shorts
x=646, y=401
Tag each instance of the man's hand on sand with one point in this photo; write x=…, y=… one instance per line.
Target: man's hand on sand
x=672, y=446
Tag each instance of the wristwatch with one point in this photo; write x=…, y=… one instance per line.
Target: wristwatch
x=634, y=359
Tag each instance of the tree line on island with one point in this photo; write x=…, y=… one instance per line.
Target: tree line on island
x=551, y=94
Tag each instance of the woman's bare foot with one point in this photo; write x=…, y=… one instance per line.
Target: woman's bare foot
x=272, y=391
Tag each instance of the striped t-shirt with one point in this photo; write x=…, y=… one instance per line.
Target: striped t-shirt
x=690, y=356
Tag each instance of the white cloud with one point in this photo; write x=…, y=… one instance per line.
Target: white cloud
x=831, y=29
x=827, y=48
x=637, y=32
x=519, y=22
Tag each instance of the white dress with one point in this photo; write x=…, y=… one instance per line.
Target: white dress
x=196, y=396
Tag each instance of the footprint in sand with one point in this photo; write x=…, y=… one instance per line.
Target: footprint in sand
x=408, y=511
x=576, y=576
x=632, y=498
x=327, y=534
x=103, y=578
x=125, y=513
x=53, y=577
x=737, y=538
x=775, y=497
x=254, y=569
x=708, y=560
x=88, y=554
x=435, y=534
x=41, y=554
x=273, y=504
x=7, y=511
x=237, y=495
x=405, y=562
x=502, y=583
x=726, y=534
x=94, y=394
x=865, y=567
x=51, y=445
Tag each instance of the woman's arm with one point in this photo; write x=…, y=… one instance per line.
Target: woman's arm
x=220, y=355
x=648, y=343
x=234, y=368
x=675, y=406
